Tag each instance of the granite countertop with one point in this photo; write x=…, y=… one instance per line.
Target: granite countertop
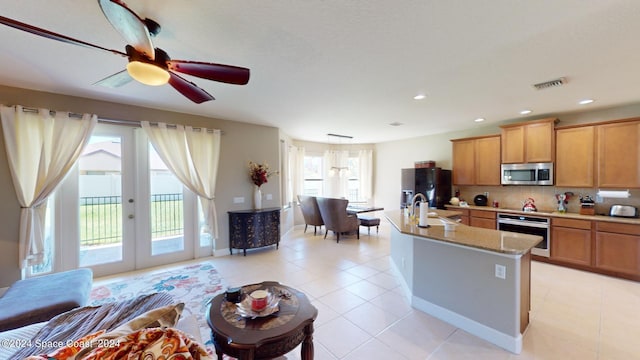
x=486, y=239
x=635, y=221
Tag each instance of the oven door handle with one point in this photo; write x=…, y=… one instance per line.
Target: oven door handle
x=522, y=223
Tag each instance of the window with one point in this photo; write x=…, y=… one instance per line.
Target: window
x=353, y=186
x=313, y=176
x=315, y=182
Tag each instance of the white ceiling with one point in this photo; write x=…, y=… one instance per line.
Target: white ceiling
x=349, y=66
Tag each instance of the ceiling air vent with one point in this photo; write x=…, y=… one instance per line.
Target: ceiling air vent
x=549, y=84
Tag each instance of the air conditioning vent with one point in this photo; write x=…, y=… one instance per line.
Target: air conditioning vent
x=550, y=84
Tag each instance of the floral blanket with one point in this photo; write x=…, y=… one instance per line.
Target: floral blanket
x=148, y=344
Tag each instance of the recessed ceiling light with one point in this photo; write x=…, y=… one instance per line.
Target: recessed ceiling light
x=585, y=101
x=479, y=120
x=525, y=112
x=419, y=97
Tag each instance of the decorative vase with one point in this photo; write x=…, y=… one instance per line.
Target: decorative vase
x=257, y=198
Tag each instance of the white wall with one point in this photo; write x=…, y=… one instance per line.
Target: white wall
x=395, y=155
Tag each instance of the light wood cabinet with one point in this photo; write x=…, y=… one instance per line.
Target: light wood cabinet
x=464, y=216
x=575, y=156
x=513, y=144
x=482, y=218
x=529, y=142
x=464, y=163
x=617, y=248
x=619, y=155
x=571, y=241
x=476, y=161
x=487, y=160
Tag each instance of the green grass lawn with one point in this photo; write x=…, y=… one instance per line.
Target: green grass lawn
x=101, y=224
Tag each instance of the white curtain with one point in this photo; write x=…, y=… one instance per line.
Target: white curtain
x=336, y=173
x=41, y=149
x=365, y=177
x=193, y=156
x=297, y=172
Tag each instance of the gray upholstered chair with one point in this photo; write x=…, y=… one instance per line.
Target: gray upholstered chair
x=335, y=217
x=310, y=212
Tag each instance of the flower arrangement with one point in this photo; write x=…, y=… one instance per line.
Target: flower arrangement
x=260, y=173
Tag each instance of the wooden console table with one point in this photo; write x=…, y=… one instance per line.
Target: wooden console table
x=249, y=229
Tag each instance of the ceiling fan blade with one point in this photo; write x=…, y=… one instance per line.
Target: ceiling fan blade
x=115, y=80
x=189, y=89
x=217, y=72
x=132, y=28
x=51, y=35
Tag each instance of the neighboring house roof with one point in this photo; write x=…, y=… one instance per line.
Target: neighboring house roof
x=113, y=150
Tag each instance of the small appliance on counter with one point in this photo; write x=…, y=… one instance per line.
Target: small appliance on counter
x=623, y=211
x=529, y=205
x=587, y=205
x=480, y=200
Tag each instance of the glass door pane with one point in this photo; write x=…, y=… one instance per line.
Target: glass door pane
x=167, y=208
x=100, y=201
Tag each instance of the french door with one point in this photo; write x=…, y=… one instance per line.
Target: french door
x=122, y=209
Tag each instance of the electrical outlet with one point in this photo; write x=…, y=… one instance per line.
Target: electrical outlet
x=238, y=200
x=269, y=196
x=486, y=193
x=501, y=271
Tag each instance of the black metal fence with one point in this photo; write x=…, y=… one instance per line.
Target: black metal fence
x=101, y=218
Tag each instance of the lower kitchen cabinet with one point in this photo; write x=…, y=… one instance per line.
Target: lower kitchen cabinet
x=464, y=216
x=617, y=248
x=571, y=241
x=483, y=219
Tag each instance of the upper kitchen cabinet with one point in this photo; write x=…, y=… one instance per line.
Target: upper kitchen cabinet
x=575, y=156
x=476, y=161
x=618, y=154
x=529, y=142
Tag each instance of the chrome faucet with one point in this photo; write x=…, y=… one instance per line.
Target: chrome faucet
x=414, y=202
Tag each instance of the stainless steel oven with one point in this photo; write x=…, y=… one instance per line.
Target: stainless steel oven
x=532, y=225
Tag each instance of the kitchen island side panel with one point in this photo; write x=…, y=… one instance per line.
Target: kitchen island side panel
x=463, y=280
x=402, y=258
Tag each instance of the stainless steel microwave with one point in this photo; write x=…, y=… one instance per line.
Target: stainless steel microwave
x=527, y=174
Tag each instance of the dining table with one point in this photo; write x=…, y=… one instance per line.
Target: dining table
x=359, y=209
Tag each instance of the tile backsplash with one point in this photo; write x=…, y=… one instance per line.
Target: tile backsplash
x=512, y=197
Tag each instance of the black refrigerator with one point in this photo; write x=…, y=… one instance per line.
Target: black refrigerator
x=434, y=183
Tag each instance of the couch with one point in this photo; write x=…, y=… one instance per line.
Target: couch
x=41, y=298
x=142, y=323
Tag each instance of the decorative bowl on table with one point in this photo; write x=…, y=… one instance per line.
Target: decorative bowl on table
x=245, y=309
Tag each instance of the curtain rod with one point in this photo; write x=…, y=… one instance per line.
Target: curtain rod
x=132, y=123
x=136, y=123
x=51, y=112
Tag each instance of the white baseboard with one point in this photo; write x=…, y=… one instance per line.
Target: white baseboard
x=507, y=342
x=403, y=283
x=221, y=252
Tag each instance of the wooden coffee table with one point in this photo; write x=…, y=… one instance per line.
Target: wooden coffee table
x=263, y=337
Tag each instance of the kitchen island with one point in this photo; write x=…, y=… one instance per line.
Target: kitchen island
x=475, y=279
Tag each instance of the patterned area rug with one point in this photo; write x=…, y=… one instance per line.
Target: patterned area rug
x=193, y=285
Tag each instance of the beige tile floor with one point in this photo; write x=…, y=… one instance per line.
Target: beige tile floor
x=363, y=314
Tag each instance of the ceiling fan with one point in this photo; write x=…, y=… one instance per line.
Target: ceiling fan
x=148, y=65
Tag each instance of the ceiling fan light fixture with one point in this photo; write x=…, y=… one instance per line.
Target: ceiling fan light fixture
x=148, y=74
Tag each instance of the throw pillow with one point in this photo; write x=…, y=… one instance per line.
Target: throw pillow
x=163, y=317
